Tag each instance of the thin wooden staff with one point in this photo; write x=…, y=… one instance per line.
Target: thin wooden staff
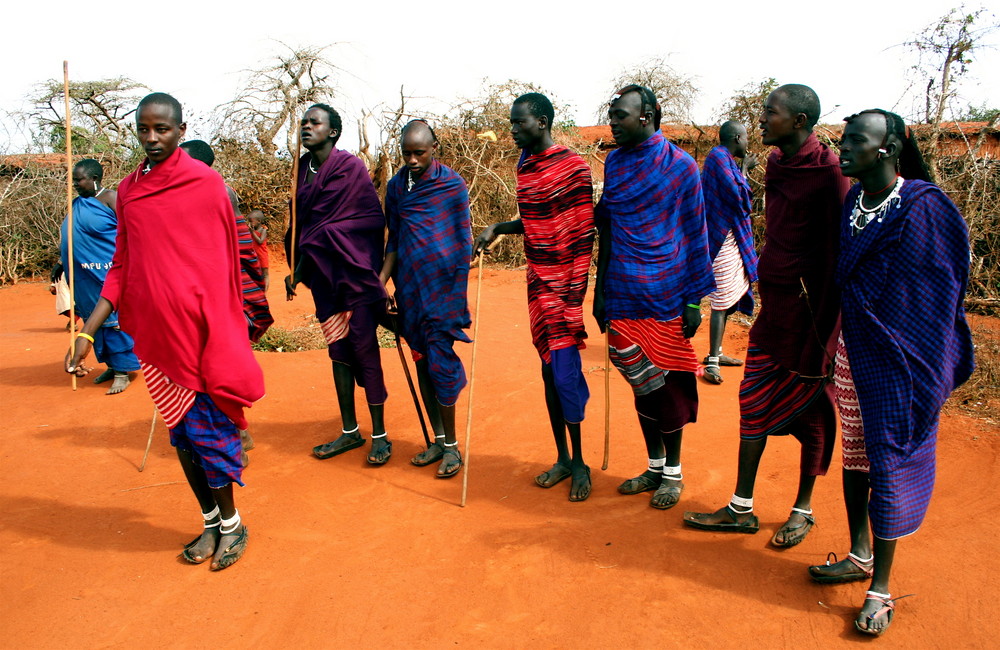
x=149, y=443
x=295, y=193
x=69, y=224
x=472, y=371
x=607, y=397
x=472, y=378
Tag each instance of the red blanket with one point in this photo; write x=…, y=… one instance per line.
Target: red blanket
x=175, y=281
x=804, y=195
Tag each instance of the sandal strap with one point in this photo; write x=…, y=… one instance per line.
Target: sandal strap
x=861, y=563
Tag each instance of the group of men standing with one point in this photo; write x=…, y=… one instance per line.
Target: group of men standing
x=669, y=236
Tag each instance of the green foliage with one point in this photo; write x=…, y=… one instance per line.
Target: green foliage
x=981, y=113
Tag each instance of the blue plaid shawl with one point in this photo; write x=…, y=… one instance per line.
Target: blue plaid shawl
x=659, y=247
x=903, y=285
x=95, y=227
x=727, y=207
x=429, y=230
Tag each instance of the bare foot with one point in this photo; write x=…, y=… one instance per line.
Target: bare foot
x=107, y=375
x=246, y=440
x=120, y=383
x=231, y=548
x=430, y=455
x=875, y=615
x=724, y=519
x=201, y=548
x=451, y=463
x=553, y=476
x=579, y=489
x=667, y=495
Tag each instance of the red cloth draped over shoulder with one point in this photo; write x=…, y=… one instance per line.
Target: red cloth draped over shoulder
x=555, y=202
x=804, y=195
x=175, y=281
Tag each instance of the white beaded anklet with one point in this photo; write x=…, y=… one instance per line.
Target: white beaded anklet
x=230, y=525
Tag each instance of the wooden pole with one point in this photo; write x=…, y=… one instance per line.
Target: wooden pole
x=71, y=265
x=607, y=397
x=149, y=443
x=295, y=192
x=472, y=378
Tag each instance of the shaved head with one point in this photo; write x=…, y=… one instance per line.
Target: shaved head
x=418, y=131
x=800, y=99
x=730, y=130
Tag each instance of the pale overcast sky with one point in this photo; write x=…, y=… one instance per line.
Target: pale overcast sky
x=442, y=50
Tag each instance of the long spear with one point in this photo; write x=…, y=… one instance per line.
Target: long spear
x=69, y=217
x=607, y=397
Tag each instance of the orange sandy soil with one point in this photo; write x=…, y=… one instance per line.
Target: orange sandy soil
x=346, y=555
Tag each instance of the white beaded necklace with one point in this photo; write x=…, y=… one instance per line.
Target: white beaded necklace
x=862, y=216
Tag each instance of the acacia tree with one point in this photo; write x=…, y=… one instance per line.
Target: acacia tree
x=675, y=91
x=274, y=96
x=945, y=49
x=101, y=113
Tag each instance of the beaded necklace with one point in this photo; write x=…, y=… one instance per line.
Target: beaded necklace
x=862, y=216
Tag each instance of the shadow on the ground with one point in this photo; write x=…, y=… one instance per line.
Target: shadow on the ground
x=100, y=528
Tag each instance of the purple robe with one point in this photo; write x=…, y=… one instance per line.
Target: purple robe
x=341, y=232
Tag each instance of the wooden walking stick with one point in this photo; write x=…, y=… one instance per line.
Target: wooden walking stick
x=409, y=382
x=607, y=397
x=295, y=192
x=472, y=378
x=69, y=224
x=149, y=443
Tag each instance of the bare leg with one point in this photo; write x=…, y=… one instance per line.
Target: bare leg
x=856, y=499
x=203, y=547
x=556, y=419
x=746, y=477
x=885, y=552
x=229, y=549
x=561, y=469
x=343, y=380
x=434, y=414
x=671, y=486
x=717, y=328
x=381, y=447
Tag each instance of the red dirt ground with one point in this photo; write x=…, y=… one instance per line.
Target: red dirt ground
x=345, y=555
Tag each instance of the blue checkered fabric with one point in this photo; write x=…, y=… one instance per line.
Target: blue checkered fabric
x=903, y=280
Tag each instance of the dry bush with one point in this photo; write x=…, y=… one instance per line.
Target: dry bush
x=33, y=206
x=487, y=165
x=277, y=339
x=974, y=185
x=981, y=393
x=261, y=181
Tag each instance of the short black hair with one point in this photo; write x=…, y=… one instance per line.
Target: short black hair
x=91, y=168
x=538, y=105
x=162, y=99
x=729, y=130
x=199, y=150
x=801, y=99
x=911, y=161
x=334, y=118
